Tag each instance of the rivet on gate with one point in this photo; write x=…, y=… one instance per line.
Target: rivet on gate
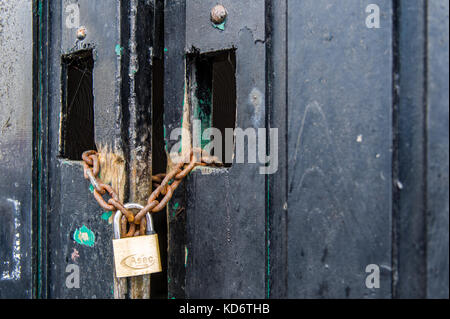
x=81, y=33
x=218, y=14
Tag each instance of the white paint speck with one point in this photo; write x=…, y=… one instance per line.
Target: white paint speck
x=359, y=139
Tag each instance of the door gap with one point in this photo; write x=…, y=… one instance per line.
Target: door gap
x=77, y=111
x=213, y=95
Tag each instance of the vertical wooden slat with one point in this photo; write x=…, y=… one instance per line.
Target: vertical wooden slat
x=277, y=188
x=409, y=190
x=141, y=17
x=174, y=81
x=71, y=204
x=339, y=147
x=226, y=210
x=16, y=149
x=437, y=161
x=222, y=249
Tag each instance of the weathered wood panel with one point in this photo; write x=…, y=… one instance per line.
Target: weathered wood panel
x=437, y=161
x=120, y=35
x=16, y=149
x=174, y=82
x=226, y=210
x=409, y=189
x=339, y=149
x=71, y=204
x=277, y=113
x=224, y=252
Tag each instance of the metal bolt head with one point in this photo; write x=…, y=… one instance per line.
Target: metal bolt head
x=81, y=33
x=218, y=14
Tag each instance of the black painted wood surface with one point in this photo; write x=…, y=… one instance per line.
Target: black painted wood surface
x=351, y=190
x=437, y=159
x=339, y=149
x=362, y=179
x=70, y=203
x=16, y=150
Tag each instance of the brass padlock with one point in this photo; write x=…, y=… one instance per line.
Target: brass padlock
x=135, y=256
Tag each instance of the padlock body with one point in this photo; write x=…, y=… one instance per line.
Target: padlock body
x=135, y=256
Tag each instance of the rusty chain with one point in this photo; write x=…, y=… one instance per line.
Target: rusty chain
x=165, y=184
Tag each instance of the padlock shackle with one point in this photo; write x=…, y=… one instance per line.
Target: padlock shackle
x=149, y=229
x=116, y=224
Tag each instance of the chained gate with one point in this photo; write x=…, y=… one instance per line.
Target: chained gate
x=361, y=108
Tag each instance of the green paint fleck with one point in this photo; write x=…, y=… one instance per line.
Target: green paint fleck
x=221, y=26
x=119, y=50
x=174, y=209
x=106, y=215
x=84, y=236
x=203, y=112
x=91, y=188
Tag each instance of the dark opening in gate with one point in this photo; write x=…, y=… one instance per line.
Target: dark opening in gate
x=213, y=93
x=77, y=116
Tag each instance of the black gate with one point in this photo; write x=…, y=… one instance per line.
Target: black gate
x=358, y=93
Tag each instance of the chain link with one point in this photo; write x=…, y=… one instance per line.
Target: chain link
x=165, y=186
